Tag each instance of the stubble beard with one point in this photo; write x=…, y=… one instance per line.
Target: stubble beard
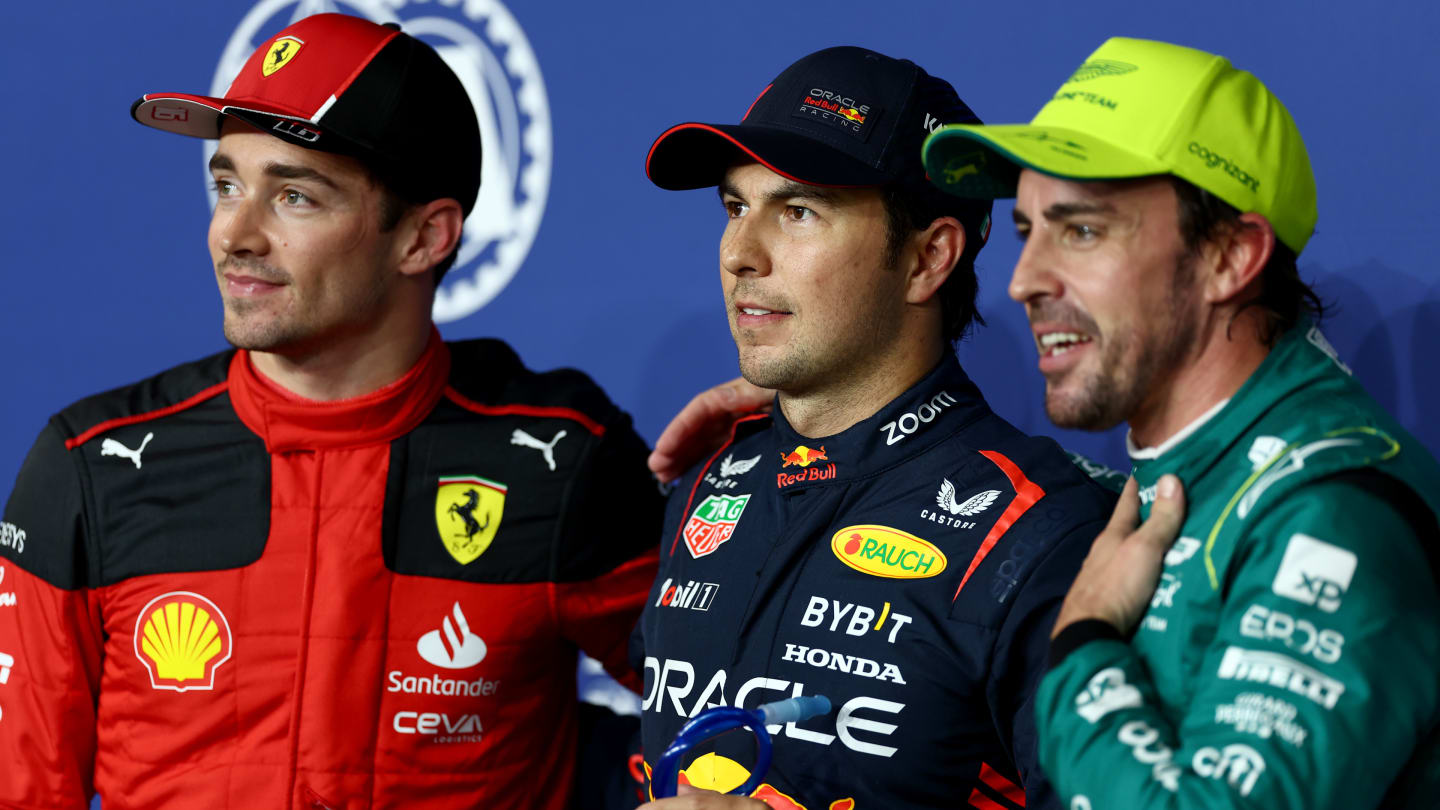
x=294, y=329
x=806, y=363
x=1115, y=391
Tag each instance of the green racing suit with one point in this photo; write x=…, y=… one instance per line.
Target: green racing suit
x=1290, y=652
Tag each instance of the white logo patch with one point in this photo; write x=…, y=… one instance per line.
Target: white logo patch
x=973, y=505
x=730, y=468
x=1184, y=549
x=1300, y=635
x=1263, y=716
x=908, y=423
x=458, y=648
x=1106, y=692
x=1164, y=595
x=110, y=447
x=12, y=536
x=6, y=662
x=1263, y=450
x=1236, y=763
x=1289, y=465
x=1314, y=572
x=1145, y=745
x=493, y=59
x=547, y=449
x=1282, y=672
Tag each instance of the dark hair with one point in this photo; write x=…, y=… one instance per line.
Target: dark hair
x=393, y=206
x=910, y=208
x=1284, y=297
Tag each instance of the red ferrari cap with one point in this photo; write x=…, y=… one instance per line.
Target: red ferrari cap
x=344, y=84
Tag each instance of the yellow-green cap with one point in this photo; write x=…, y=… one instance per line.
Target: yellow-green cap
x=1136, y=108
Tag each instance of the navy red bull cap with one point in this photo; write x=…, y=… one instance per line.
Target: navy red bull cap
x=344, y=84
x=841, y=117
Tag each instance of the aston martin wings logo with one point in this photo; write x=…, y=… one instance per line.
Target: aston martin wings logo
x=974, y=506
x=1096, y=68
x=729, y=467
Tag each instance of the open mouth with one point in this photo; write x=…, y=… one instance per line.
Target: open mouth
x=748, y=311
x=1054, y=344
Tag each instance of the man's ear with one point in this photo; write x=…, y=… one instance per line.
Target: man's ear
x=1243, y=252
x=432, y=232
x=935, y=251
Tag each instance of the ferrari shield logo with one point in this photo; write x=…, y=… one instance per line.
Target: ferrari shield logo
x=468, y=509
x=281, y=52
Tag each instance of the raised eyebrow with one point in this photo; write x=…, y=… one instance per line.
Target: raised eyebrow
x=1060, y=211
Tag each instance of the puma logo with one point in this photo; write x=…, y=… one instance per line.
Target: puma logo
x=110, y=447
x=547, y=449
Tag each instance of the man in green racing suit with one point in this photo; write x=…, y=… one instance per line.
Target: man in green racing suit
x=1284, y=650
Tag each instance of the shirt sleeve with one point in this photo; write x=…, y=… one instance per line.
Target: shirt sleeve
x=1019, y=658
x=606, y=559
x=1317, y=687
x=50, y=636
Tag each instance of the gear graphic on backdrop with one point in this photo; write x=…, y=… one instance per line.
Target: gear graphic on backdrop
x=485, y=46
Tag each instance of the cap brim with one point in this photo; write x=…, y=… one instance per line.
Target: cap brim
x=984, y=161
x=200, y=116
x=696, y=155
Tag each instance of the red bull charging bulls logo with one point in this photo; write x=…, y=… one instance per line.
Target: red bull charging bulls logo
x=803, y=457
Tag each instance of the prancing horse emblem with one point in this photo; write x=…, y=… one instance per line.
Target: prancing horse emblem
x=468, y=511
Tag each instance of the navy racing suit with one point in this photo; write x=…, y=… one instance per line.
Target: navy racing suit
x=909, y=569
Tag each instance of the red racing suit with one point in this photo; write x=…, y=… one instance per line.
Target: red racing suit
x=218, y=595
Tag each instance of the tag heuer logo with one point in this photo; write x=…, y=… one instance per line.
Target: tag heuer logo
x=467, y=515
x=281, y=52
x=713, y=522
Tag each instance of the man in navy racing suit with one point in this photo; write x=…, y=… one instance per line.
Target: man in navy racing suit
x=883, y=539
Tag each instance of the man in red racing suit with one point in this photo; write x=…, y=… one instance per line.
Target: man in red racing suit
x=347, y=565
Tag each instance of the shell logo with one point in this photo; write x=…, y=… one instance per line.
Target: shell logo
x=182, y=638
x=881, y=551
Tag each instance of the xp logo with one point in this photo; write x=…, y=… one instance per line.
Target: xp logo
x=485, y=46
x=1314, y=572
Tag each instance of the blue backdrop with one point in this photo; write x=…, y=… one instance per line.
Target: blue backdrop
x=109, y=279
x=581, y=260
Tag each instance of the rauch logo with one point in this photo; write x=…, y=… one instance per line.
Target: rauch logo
x=885, y=552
